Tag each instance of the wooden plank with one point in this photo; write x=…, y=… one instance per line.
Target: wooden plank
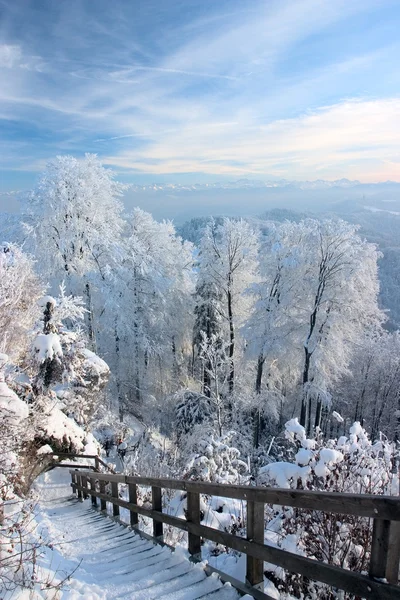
x=393, y=559
x=93, y=488
x=73, y=480
x=84, y=479
x=255, y=533
x=103, y=503
x=70, y=465
x=70, y=455
x=193, y=516
x=379, y=548
x=110, y=477
x=156, y=502
x=362, y=505
x=355, y=583
x=114, y=496
x=134, y=517
x=79, y=487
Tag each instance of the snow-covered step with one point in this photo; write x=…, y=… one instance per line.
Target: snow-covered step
x=197, y=590
x=227, y=592
x=169, y=586
x=112, y=562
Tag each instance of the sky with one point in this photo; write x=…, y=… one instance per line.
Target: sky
x=201, y=91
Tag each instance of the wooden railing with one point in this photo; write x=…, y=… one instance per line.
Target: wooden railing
x=63, y=455
x=384, y=511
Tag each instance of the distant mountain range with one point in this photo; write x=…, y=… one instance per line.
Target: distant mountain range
x=258, y=184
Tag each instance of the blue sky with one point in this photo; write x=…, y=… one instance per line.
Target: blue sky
x=195, y=91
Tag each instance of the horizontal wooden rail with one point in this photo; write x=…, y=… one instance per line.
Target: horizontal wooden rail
x=98, y=461
x=383, y=510
x=360, y=505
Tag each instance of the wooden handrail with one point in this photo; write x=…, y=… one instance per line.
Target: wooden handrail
x=95, y=457
x=384, y=510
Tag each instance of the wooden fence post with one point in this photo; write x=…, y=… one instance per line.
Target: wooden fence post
x=114, y=494
x=97, y=464
x=379, y=548
x=73, y=484
x=156, y=500
x=93, y=487
x=255, y=533
x=393, y=559
x=133, y=500
x=79, y=481
x=193, y=516
x=84, y=480
x=103, y=503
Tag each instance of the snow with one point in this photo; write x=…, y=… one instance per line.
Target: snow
x=44, y=300
x=284, y=473
x=295, y=430
x=304, y=456
x=337, y=417
x=94, y=364
x=58, y=426
x=47, y=346
x=100, y=559
x=46, y=449
x=13, y=409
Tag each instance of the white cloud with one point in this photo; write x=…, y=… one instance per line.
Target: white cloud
x=359, y=137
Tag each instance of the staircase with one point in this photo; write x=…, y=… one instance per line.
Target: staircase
x=115, y=562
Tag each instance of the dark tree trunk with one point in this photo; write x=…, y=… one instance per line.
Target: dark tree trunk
x=397, y=432
x=318, y=413
x=306, y=370
x=260, y=367
x=231, y=375
x=90, y=327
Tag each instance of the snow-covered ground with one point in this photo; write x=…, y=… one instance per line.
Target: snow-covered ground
x=98, y=559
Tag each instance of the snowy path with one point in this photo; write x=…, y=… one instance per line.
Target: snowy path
x=108, y=560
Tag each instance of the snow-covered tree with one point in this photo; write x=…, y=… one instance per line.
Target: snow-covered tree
x=228, y=261
x=74, y=221
x=370, y=392
x=20, y=289
x=338, y=300
x=61, y=362
x=152, y=308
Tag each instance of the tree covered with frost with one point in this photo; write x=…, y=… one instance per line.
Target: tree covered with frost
x=150, y=318
x=74, y=223
x=227, y=265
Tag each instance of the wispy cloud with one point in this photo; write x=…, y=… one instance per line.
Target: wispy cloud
x=292, y=89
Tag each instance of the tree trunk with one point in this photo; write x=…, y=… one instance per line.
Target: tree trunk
x=231, y=376
x=306, y=370
x=91, y=334
x=318, y=413
x=117, y=379
x=260, y=367
x=256, y=411
x=256, y=427
x=207, y=379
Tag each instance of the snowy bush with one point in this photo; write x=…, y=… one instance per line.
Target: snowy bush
x=191, y=409
x=214, y=458
x=352, y=464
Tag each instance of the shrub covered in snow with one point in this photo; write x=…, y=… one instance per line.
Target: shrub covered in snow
x=191, y=409
x=352, y=464
x=214, y=458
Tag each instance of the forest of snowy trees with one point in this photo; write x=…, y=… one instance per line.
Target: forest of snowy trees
x=107, y=317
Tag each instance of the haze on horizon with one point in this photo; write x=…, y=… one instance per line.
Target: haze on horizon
x=201, y=91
